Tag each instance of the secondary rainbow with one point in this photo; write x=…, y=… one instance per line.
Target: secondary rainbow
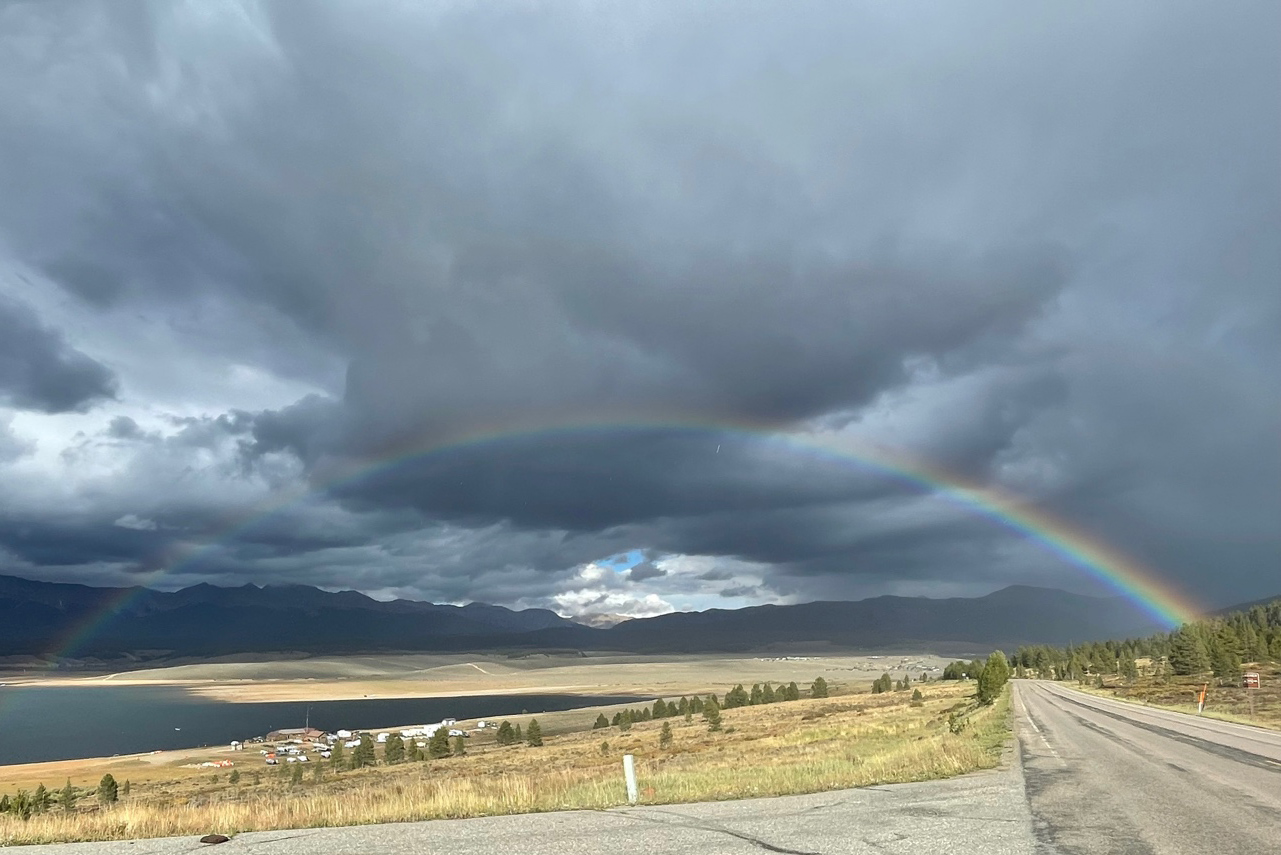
x=1140, y=585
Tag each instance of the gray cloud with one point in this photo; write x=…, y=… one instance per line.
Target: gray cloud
x=645, y=570
x=40, y=371
x=314, y=242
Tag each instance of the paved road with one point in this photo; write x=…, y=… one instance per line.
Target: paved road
x=1091, y=776
x=1103, y=776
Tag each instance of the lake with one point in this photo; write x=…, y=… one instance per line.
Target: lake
x=56, y=723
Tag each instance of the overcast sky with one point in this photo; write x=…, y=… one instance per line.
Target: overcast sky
x=246, y=247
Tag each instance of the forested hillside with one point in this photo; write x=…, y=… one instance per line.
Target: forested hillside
x=1218, y=645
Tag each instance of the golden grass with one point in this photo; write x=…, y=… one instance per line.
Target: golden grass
x=798, y=747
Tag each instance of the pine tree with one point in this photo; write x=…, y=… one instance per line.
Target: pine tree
x=1187, y=652
x=234, y=777
x=793, y=691
x=882, y=683
x=506, y=734
x=124, y=791
x=601, y=722
x=363, y=754
x=295, y=774
x=108, y=792
x=768, y=695
x=337, y=756
x=712, y=713
x=665, y=735
x=757, y=696
x=41, y=799
x=818, y=689
x=412, y=752
x=67, y=798
x=618, y=717
x=534, y=735
x=520, y=737
x=917, y=698
x=460, y=746
x=438, y=744
x=660, y=709
x=5, y=804
x=682, y=706
x=696, y=704
x=394, y=749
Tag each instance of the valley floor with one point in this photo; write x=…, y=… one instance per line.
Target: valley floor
x=851, y=739
x=436, y=675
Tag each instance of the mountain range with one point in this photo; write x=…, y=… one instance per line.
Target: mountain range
x=68, y=620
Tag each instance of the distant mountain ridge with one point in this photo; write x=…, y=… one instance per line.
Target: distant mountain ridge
x=38, y=618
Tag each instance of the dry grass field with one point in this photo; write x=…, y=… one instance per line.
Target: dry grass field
x=802, y=746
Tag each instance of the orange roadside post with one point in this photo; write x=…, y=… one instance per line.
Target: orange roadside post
x=1200, y=707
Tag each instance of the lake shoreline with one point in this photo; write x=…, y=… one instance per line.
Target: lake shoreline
x=67, y=723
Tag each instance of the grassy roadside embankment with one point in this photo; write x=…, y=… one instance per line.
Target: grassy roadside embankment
x=1260, y=707
x=810, y=745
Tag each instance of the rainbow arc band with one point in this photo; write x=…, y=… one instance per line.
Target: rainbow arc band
x=1140, y=585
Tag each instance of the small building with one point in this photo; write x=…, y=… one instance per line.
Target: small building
x=295, y=733
x=1250, y=679
x=236, y=745
x=343, y=734
x=448, y=721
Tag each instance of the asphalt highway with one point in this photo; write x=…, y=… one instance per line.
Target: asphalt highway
x=1090, y=775
x=1104, y=776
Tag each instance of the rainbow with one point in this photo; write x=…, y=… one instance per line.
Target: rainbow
x=1140, y=585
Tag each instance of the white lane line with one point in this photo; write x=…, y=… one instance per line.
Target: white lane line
x=1028, y=717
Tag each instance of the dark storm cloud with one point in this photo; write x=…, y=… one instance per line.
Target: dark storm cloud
x=1036, y=248
x=645, y=570
x=39, y=370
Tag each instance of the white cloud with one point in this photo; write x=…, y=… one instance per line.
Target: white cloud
x=136, y=523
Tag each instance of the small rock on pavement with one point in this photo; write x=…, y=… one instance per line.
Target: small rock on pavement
x=214, y=838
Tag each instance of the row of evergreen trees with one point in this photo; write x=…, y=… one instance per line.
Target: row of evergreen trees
x=509, y=735
x=1218, y=646
x=24, y=805
x=992, y=675
x=886, y=683
x=687, y=708
x=400, y=750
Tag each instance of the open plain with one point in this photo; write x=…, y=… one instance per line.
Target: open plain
x=443, y=675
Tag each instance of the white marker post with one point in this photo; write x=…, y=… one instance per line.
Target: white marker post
x=629, y=772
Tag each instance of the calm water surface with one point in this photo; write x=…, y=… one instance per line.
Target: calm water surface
x=44, y=723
